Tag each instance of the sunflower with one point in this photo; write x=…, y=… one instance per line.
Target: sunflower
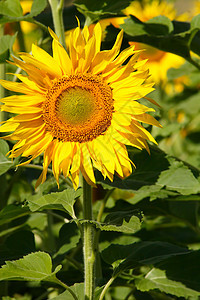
x=79, y=109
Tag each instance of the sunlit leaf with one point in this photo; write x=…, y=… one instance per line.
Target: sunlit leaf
x=62, y=200
x=179, y=178
x=33, y=267
x=157, y=279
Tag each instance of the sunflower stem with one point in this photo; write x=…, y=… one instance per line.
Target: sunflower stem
x=57, y=14
x=88, y=242
x=2, y=76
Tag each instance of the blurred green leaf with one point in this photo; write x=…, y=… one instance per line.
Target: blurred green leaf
x=69, y=237
x=179, y=178
x=12, y=212
x=77, y=288
x=195, y=22
x=5, y=164
x=6, y=43
x=62, y=200
x=14, y=13
x=4, y=147
x=94, y=10
x=37, y=7
x=11, y=8
x=157, y=279
x=33, y=267
x=175, y=37
x=160, y=25
x=142, y=253
x=153, y=192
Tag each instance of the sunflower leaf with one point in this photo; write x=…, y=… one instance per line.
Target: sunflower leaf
x=11, y=8
x=179, y=178
x=6, y=43
x=32, y=267
x=118, y=224
x=157, y=279
x=142, y=253
x=12, y=212
x=94, y=10
x=11, y=11
x=62, y=200
x=175, y=37
x=5, y=164
x=77, y=288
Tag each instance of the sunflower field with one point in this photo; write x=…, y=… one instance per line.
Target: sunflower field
x=99, y=149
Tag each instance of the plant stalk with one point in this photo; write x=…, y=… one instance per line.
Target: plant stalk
x=88, y=242
x=57, y=13
x=2, y=76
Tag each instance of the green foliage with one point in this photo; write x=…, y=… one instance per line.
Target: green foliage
x=95, y=10
x=11, y=11
x=157, y=279
x=33, y=267
x=62, y=200
x=170, y=36
x=5, y=164
x=6, y=43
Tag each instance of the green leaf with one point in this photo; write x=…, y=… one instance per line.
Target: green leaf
x=153, y=192
x=62, y=200
x=77, y=288
x=175, y=37
x=157, y=279
x=69, y=237
x=12, y=212
x=37, y=7
x=195, y=22
x=33, y=267
x=4, y=148
x=119, y=224
x=160, y=25
x=179, y=178
x=11, y=8
x=9, y=14
x=5, y=164
x=94, y=10
x=189, y=275
x=148, y=169
x=142, y=253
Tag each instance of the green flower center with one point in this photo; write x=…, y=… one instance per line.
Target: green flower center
x=75, y=106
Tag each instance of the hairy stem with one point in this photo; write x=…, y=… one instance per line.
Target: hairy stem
x=2, y=76
x=88, y=242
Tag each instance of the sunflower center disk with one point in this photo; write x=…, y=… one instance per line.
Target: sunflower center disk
x=78, y=108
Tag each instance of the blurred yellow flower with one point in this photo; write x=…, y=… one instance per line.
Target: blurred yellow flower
x=79, y=109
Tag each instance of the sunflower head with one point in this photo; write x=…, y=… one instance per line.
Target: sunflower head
x=79, y=109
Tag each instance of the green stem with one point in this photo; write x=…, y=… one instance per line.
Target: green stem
x=2, y=76
x=67, y=288
x=108, y=284
x=97, y=235
x=88, y=242
x=57, y=13
x=20, y=37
